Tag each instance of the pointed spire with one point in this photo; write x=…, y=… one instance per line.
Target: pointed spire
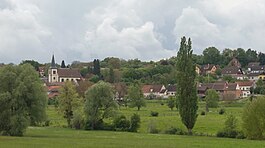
x=53, y=65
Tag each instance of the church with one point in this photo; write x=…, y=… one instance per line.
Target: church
x=62, y=74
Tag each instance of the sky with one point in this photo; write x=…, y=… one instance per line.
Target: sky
x=82, y=30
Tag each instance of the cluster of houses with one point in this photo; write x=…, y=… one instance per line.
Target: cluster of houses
x=228, y=91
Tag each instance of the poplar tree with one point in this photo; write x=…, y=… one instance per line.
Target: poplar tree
x=186, y=90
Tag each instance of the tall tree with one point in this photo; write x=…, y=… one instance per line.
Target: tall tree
x=68, y=101
x=96, y=70
x=186, y=90
x=100, y=104
x=136, y=97
x=22, y=99
x=211, y=55
x=63, y=64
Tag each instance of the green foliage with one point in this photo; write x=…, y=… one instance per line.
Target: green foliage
x=186, y=90
x=96, y=70
x=135, y=123
x=68, y=101
x=221, y=111
x=211, y=55
x=94, y=79
x=171, y=103
x=99, y=104
x=230, y=128
x=22, y=99
x=175, y=131
x=121, y=123
x=211, y=99
x=33, y=63
x=260, y=87
x=254, y=119
x=154, y=113
x=136, y=97
x=229, y=79
x=78, y=121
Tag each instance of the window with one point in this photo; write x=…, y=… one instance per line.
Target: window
x=54, y=72
x=53, y=78
x=62, y=80
x=72, y=79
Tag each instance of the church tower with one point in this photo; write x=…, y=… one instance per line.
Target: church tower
x=53, y=72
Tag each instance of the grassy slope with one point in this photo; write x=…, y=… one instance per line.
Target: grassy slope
x=60, y=137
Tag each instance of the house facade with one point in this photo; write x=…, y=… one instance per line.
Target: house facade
x=245, y=87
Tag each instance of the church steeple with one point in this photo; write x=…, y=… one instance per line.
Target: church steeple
x=53, y=65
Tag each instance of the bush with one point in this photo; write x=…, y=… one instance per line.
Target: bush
x=175, y=131
x=154, y=114
x=152, y=128
x=203, y=113
x=135, y=123
x=229, y=130
x=221, y=111
x=254, y=119
x=121, y=123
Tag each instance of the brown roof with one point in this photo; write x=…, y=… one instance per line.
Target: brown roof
x=251, y=64
x=70, y=73
x=231, y=70
x=245, y=83
x=172, y=88
x=231, y=86
x=151, y=88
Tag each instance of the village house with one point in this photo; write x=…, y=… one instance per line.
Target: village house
x=171, y=90
x=154, y=91
x=42, y=71
x=208, y=69
x=245, y=87
x=234, y=72
x=226, y=91
x=255, y=67
x=62, y=74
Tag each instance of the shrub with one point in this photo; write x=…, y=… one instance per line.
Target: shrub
x=177, y=131
x=135, y=123
x=121, y=123
x=221, y=111
x=254, y=119
x=154, y=114
x=203, y=113
x=152, y=128
x=229, y=130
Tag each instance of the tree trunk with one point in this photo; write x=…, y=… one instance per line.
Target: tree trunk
x=206, y=108
x=138, y=108
x=189, y=131
x=69, y=122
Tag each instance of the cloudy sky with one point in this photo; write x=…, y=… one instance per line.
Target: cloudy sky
x=145, y=29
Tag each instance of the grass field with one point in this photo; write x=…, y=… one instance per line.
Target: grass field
x=56, y=136
x=51, y=137
x=209, y=124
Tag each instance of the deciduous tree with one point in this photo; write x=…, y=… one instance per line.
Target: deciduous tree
x=68, y=101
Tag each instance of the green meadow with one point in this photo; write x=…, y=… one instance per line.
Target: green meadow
x=57, y=136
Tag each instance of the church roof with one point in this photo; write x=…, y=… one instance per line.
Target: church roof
x=69, y=73
x=53, y=65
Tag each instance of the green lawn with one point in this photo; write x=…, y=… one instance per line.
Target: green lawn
x=209, y=124
x=62, y=137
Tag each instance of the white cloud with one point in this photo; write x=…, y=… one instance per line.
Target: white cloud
x=87, y=29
